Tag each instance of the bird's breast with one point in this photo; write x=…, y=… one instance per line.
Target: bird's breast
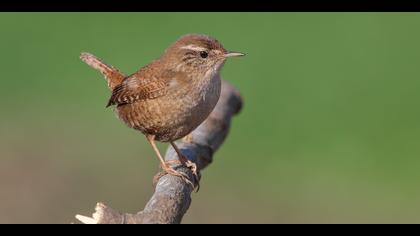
x=191, y=108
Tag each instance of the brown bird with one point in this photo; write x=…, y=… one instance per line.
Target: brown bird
x=171, y=96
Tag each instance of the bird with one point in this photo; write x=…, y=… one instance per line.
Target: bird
x=171, y=96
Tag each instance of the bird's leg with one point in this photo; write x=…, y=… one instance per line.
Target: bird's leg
x=164, y=165
x=185, y=161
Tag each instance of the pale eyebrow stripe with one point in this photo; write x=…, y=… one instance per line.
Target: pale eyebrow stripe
x=194, y=48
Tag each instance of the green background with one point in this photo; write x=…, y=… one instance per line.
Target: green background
x=329, y=132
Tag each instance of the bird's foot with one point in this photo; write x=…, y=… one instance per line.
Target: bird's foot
x=167, y=169
x=193, y=167
x=189, y=164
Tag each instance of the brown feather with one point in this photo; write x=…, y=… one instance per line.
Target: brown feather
x=113, y=76
x=138, y=86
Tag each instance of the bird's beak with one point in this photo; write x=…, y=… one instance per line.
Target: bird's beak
x=234, y=54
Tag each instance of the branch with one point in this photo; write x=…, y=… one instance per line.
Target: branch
x=172, y=196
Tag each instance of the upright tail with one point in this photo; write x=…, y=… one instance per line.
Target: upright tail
x=113, y=76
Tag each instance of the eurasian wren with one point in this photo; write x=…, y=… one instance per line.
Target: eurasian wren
x=171, y=96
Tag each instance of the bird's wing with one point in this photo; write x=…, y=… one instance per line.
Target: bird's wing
x=140, y=86
x=134, y=88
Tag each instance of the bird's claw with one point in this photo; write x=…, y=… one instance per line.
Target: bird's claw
x=193, y=167
x=169, y=170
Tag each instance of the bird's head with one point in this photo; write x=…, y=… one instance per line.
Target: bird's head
x=197, y=53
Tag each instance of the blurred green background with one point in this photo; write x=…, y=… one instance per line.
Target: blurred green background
x=329, y=133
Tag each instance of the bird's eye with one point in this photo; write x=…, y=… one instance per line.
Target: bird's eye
x=204, y=54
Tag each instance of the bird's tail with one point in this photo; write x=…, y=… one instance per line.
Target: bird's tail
x=113, y=76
